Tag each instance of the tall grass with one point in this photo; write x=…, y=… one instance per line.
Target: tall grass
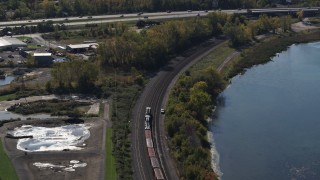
x=7, y=171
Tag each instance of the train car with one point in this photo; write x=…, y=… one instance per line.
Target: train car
x=149, y=143
x=147, y=134
x=154, y=162
x=151, y=152
x=147, y=125
x=158, y=174
x=147, y=118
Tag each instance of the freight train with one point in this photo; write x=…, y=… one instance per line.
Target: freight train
x=151, y=150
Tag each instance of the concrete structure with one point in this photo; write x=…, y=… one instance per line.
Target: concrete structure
x=77, y=48
x=43, y=59
x=10, y=43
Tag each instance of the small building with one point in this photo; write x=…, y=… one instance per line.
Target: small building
x=25, y=53
x=78, y=48
x=8, y=43
x=43, y=59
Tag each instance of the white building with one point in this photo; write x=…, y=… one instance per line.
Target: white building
x=11, y=43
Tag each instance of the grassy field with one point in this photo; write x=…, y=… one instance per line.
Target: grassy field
x=111, y=173
x=7, y=171
x=8, y=97
x=214, y=58
x=24, y=37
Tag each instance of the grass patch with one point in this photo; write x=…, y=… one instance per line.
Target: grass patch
x=111, y=173
x=124, y=98
x=214, y=58
x=6, y=169
x=8, y=97
x=24, y=38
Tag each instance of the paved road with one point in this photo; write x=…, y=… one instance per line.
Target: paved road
x=155, y=95
x=76, y=21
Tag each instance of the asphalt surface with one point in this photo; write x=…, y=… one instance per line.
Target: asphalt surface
x=76, y=21
x=155, y=95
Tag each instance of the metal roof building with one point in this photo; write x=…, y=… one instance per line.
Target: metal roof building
x=43, y=59
x=10, y=43
x=81, y=47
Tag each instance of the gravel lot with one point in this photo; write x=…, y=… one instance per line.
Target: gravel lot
x=92, y=154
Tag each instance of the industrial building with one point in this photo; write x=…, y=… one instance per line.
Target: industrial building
x=78, y=48
x=43, y=59
x=9, y=43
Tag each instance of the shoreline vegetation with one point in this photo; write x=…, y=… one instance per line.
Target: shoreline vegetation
x=194, y=96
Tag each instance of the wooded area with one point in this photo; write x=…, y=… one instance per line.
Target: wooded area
x=33, y=9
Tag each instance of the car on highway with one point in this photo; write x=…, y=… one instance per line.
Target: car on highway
x=29, y=21
x=140, y=13
x=122, y=16
x=43, y=20
x=198, y=14
x=66, y=19
x=189, y=11
x=162, y=111
x=89, y=17
x=168, y=11
x=206, y=11
x=80, y=16
x=146, y=17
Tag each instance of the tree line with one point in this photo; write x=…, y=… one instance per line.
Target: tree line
x=153, y=47
x=32, y=9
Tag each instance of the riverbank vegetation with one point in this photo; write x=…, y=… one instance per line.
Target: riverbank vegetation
x=264, y=51
x=190, y=104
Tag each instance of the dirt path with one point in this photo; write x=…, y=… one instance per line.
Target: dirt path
x=227, y=60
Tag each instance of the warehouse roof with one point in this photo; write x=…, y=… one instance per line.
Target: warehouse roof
x=8, y=41
x=80, y=46
x=42, y=54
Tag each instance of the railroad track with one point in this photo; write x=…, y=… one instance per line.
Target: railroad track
x=155, y=96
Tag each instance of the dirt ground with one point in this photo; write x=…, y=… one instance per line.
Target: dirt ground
x=299, y=26
x=92, y=154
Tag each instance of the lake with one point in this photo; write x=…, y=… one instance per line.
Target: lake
x=267, y=123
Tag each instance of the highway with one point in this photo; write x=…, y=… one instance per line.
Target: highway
x=155, y=95
x=83, y=20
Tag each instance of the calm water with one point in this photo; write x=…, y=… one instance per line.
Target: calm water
x=268, y=121
x=7, y=80
x=6, y=115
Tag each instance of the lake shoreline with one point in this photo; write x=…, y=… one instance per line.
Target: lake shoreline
x=250, y=58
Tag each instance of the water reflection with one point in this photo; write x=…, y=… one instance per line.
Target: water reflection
x=6, y=115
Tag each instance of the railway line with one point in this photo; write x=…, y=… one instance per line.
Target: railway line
x=154, y=96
